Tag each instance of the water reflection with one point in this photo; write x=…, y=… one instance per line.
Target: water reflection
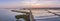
x=18, y=20
x=7, y=15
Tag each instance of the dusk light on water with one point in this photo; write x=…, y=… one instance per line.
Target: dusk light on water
x=29, y=10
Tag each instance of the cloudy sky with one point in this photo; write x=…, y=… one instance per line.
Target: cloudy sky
x=29, y=3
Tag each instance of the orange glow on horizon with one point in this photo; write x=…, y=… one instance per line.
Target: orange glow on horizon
x=36, y=5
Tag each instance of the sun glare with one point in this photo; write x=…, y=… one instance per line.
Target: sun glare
x=35, y=4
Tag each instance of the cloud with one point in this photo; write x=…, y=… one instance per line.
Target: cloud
x=26, y=3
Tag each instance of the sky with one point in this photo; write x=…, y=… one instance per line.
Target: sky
x=29, y=3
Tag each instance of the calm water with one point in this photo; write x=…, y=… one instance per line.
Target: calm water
x=42, y=15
